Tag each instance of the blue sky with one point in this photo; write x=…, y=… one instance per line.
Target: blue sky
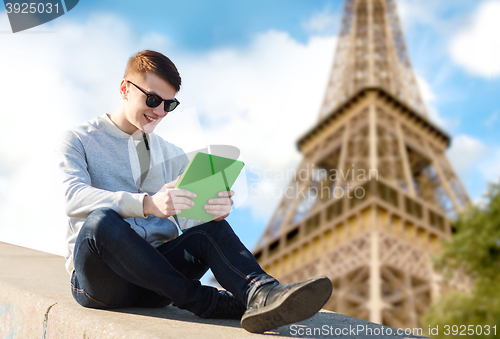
x=244, y=65
x=200, y=25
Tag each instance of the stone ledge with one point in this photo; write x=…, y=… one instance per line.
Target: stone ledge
x=35, y=302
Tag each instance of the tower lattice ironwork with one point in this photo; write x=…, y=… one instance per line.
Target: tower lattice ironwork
x=373, y=196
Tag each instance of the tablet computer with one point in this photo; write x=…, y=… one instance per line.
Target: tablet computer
x=206, y=175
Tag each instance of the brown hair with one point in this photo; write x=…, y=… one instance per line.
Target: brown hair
x=156, y=63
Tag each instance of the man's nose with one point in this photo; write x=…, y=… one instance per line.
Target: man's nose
x=160, y=111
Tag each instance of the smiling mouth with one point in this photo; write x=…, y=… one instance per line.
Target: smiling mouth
x=149, y=118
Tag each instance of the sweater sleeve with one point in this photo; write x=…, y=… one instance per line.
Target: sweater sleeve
x=80, y=197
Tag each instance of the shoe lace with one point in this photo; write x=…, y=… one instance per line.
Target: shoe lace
x=228, y=307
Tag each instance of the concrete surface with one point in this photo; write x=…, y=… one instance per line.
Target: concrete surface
x=35, y=302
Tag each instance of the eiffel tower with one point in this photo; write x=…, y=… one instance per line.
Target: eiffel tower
x=374, y=194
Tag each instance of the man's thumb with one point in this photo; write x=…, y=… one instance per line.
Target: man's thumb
x=173, y=183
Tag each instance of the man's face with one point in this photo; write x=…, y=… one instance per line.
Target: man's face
x=137, y=114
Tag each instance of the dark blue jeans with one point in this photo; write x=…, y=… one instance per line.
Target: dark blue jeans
x=115, y=267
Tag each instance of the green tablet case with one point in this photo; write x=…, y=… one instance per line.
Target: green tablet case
x=206, y=175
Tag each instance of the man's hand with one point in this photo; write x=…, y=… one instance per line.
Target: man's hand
x=220, y=207
x=168, y=201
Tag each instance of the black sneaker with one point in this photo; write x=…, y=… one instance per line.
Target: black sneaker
x=275, y=305
x=228, y=307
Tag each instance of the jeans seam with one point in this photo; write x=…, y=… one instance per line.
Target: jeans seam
x=143, y=228
x=256, y=283
x=77, y=290
x=80, y=291
x=99, y=257
x=216, y=247
x=211, y=305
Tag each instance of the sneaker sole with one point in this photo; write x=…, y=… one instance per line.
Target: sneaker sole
x=298, y=304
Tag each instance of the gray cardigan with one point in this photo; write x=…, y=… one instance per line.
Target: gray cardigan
x=100, y=168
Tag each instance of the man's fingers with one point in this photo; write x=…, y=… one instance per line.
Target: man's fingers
x=182, y=192
x=172, y=183
x=218, y=213
x=229, y=193
x=182, y=200
x=220, y=201
x=179, y=207
x=216, y=209
x=220, y=218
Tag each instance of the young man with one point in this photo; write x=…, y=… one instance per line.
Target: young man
x=123, y=243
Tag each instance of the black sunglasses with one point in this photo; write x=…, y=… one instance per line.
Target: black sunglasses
x=154, y=100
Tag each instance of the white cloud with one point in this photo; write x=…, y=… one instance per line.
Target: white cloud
x=430, y=100
x=413, y=12
x=492, y=119
x=490, y=167
x=427, y=93
x=50, y=81
x=322, y=22
x=465, y=153
x=259, y=98
x=476, y=47
x=475, y=163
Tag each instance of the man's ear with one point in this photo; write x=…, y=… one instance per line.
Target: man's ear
x=124, y=89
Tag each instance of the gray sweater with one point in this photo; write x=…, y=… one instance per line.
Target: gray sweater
x=101, y=168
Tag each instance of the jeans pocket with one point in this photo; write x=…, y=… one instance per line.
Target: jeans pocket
x=82, y=297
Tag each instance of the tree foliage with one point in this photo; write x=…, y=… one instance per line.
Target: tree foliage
x=475, y=249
